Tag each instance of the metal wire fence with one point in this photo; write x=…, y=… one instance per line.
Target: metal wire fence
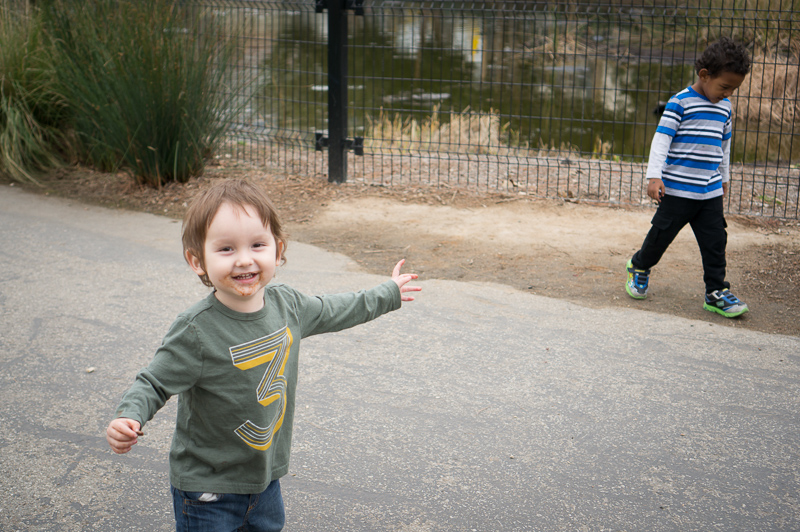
x=552, y=99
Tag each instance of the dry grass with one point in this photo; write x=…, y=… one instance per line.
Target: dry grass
x=468, y=132
x=770, y=98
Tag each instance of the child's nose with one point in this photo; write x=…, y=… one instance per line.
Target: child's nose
x=244, y=259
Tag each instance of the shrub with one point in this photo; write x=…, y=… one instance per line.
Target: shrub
x=147, y=85
x=32, y=110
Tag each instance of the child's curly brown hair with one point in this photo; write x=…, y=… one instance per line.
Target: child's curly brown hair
x=725, y=55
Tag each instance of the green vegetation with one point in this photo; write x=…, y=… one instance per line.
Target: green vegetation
x=138, y=86
x=31, y=108
x=770, y=200
x=146, y=86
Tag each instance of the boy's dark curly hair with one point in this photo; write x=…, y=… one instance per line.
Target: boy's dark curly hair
x=725, y=55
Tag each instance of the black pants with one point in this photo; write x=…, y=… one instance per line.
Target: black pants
x=708, y=223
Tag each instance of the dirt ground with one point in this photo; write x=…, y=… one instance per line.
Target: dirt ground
x=559, y=249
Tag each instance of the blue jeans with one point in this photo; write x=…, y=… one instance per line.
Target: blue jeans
x=229, y=512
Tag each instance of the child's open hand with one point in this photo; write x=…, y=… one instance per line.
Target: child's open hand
x=122, y=434
x=402, y=279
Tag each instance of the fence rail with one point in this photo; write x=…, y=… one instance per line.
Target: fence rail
x=552, y=99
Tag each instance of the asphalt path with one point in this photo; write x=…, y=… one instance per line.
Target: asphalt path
x=474, y=408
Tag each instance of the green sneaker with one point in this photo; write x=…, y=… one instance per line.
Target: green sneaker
x=637, y=283
x=725, y=303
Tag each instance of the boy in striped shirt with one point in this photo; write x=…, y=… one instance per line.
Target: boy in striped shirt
x=688, y=175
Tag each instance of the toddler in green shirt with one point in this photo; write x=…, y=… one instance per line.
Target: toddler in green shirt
x=232, y=360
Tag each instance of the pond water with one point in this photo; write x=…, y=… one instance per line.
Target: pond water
x=590, y=97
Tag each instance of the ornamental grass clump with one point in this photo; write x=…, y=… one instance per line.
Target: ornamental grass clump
x=32, y=110
x=149, y=87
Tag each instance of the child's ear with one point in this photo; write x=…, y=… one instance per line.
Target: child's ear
x=280, y=252
x=194, y=263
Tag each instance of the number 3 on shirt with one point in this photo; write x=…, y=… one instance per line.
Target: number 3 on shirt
x=273, y=351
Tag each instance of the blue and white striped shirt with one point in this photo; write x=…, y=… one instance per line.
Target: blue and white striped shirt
x=699, y=132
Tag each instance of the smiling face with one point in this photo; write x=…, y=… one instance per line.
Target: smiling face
x=717, y=88
x=240, y=256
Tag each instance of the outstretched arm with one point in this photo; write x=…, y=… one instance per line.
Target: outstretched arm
x=122, y=434
x=402, y=280
x=336, y=312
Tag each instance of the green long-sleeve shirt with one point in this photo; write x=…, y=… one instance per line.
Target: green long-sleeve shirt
x=236, y=376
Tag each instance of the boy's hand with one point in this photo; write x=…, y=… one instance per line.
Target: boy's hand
x=655, y=189
x=724, y=189
x=402, y=279
x=122, y=434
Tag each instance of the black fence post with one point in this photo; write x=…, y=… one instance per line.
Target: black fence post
x=337, y=91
